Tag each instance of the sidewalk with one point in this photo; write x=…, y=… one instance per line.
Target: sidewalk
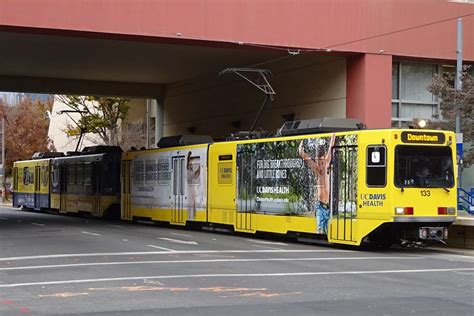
x=454, y=251
x=461, y=233
x=6, y=203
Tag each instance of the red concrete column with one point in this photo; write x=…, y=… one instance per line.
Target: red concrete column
x=369, y=89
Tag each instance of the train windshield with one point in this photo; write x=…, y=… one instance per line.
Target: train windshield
x=423, y=167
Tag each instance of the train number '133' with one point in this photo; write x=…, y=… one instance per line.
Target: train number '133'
x=425, y=193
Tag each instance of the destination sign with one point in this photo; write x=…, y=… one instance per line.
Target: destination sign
x=423, y=137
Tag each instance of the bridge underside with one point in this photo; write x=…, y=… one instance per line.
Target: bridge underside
x=69, y=63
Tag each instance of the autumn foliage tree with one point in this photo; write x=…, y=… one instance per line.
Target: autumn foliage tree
x=452, y=102
x=26, y=130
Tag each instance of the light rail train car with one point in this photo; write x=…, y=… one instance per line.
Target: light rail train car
x=88, y=182
x=167, y=184
x=31, y=181
x=376, y=186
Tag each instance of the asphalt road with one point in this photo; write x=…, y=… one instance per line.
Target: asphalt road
x=51, y=264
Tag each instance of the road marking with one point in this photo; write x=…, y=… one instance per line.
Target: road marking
x=89, y=233
x=116, y=226
x=267, y=242
x=98, y=254
x=187, y=242
x=38, y=224
x=162, y=248
x=71, y=265
x=266, y=247
x=178, y=234
x=230, y=275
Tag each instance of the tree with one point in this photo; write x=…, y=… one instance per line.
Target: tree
x=133, y=135
x=453, y=101
x=98, y=115
x=26, y=130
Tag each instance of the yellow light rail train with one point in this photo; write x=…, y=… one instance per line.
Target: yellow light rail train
x=379, y=186
x=352, y=187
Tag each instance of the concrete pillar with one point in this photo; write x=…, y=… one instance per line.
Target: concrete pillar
x=369, y=89
x=160, y=118
x=147, y=123
x=155, y=121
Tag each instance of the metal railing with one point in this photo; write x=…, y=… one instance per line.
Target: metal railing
x=466, y=201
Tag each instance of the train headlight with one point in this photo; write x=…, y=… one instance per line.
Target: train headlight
x=400, y=211
x=404, y=210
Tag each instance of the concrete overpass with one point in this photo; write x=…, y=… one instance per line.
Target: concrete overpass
x=172, y=51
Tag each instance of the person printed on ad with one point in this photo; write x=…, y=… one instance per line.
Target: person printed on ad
x=320, y=168
x=193, y=172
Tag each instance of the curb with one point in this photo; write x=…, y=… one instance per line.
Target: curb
x=454, y=251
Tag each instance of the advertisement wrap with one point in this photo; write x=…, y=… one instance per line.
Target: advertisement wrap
x=294, y=177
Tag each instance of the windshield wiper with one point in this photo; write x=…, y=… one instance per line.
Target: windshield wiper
x=447, y=190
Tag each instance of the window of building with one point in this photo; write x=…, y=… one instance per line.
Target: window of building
x=410, y=96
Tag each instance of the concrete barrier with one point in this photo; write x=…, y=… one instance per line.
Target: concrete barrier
x=461, y=233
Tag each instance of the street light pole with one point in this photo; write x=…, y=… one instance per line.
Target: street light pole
x=4, y=193
x=458, y=87
x=458, y=82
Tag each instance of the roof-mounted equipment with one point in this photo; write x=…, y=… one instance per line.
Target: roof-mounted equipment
x=319, y=125
x=249, y=135
x=101, y=149
x=184, y=140
x=44, y=155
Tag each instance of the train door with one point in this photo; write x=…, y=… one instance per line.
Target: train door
x=63, y=188
x=246, y=191
x=37, y=189
x=343, y=192
x=126, y=191
x=97, y=188
x=179, y=178
x=15, y=186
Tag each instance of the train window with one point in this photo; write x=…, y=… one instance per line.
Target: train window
x=80, y=174
x=376, y=171
x=423, y=166
x=225, y=157
x=28, y=177
x=71, y=174
x=87, y=174
x=193, y=168
x=55, y=175
x=44, y=176
x=15, y=179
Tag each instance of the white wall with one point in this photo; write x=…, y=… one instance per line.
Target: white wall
x=58, y=124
